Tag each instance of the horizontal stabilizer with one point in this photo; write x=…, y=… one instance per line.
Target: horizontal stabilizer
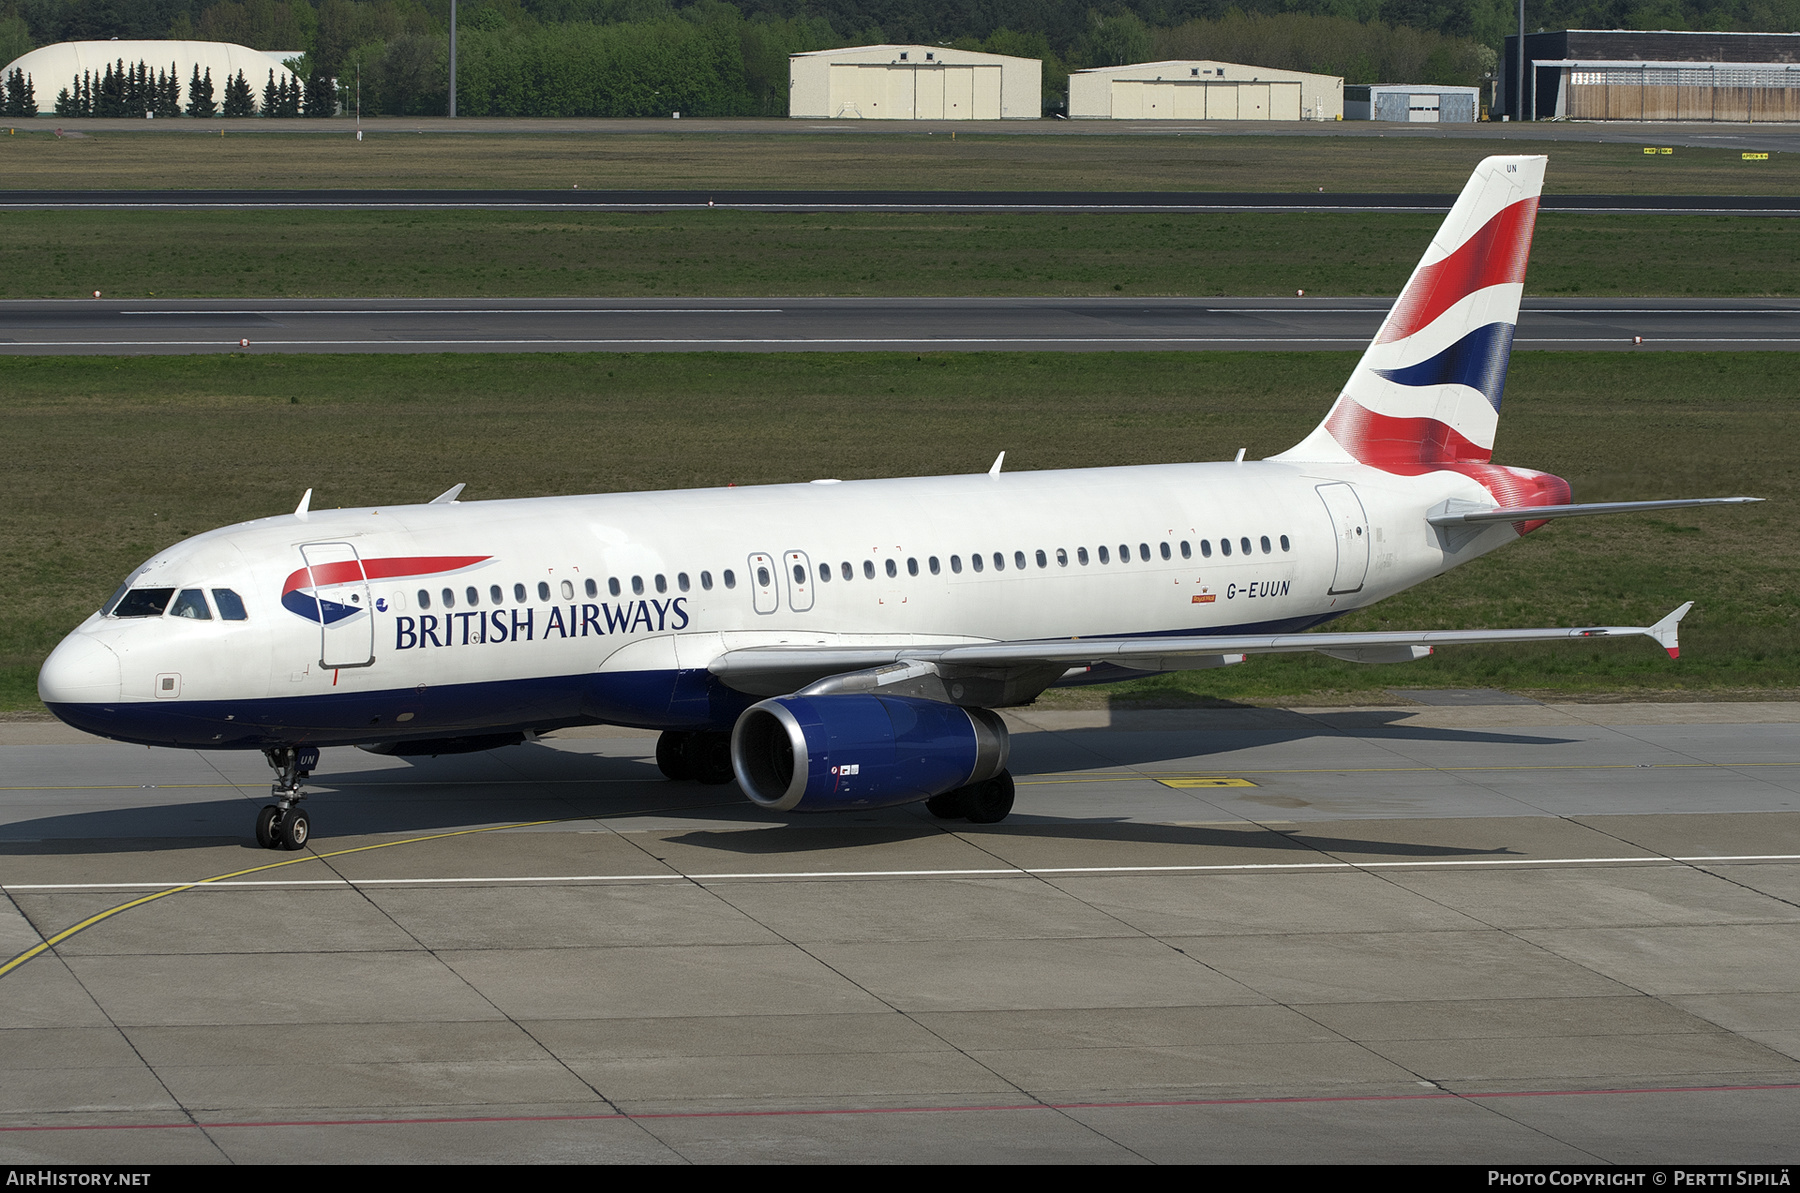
x=1538, y=513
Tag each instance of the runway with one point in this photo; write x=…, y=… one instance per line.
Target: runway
x=153, y=327
x=1126, y=202
x=1462, y=929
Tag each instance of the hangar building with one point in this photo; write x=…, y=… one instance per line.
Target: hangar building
x=1412, y=103
x=1624, y=74
x=54, y=67
x=914, y=83
x=1203, y=90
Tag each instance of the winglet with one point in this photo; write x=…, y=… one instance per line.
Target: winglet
x=448, y=496
x=995, y=470
x=1664, y=631
x=305, y=504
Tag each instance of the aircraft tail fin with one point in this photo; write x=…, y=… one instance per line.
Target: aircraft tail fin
x=1427, y=391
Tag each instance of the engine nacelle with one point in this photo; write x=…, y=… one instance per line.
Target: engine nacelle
x=834, y=753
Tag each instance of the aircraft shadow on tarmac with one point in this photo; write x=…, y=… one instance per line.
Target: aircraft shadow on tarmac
x=537, y=782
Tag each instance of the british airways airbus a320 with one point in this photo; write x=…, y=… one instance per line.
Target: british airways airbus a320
x=842, y=645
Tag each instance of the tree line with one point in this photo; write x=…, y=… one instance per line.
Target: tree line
x=136, y=90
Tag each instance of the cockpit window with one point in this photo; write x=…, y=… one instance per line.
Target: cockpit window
x=231, y=606
x=143, y=602
x=113, y=600
x=191, y=604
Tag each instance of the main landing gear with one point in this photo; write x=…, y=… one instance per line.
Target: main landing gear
x=282, y=825
x=699, y=755
x=986, y=802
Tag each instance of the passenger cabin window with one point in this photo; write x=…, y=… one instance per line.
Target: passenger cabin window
x=846, y=571
x=1265, y=545
x=1104, y=557
x=1124, y=552
x=956, y=564
x=762, y=578
x=681, y=581
x=231, y=606
x=975, y=562
x=496, y=595
x=1019, y=560
x=424, y=599
x=1245, y=544
x=1081, y=556
x=825, y=572
x=473, y=595
x=191, y=604
x=543, y=590
x=662, y=582
x=519, y=593
x=1284, y=543
x=1165, y=549
x=1062, y=558
x=799, y=575
x=729, y=577
x=1206, y=548
x=1187, y=552
x=868, y=569
x=637, y=585
x=593, y=589
x=1144, y=551
x=612, y=585
x=706, y=581
x=568, y=590
x=912, y=566
x=449, y=598
x=1224, y=546
x=892, y=570
x=999, y=562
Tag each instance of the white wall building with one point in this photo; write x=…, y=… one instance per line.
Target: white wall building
x=52, y=68
x=1203, y=90
x=1412, y=103
x=914, y=83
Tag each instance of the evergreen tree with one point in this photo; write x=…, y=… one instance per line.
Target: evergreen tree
x=321, y=96
x=13, y=98
x=200, y=95
x=239, y=100
x=65, y=103
x=271, y=105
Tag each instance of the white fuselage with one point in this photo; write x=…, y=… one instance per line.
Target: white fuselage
x=654, y=586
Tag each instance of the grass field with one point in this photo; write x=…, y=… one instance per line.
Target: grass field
x=170, y=254
x=614, y=155
x=112, y=458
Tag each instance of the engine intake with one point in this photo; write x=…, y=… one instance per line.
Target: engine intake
x=832, y=753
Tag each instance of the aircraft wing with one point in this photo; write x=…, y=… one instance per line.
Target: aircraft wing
x=753, y=668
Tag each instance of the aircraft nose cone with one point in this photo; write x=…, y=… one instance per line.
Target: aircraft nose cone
x=81, y=670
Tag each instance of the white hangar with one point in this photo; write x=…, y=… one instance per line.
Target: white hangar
x=914, y=83
x=1203, y=90
x=55, y=66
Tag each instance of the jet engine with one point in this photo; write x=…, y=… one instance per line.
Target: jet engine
x=834, y=753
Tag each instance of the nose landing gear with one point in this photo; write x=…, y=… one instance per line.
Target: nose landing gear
x=282, y=825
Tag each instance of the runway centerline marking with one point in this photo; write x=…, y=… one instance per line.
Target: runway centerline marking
x=816, y=1111
x=221, y=884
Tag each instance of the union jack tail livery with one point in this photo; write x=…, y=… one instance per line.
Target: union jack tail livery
x=1426, y=394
